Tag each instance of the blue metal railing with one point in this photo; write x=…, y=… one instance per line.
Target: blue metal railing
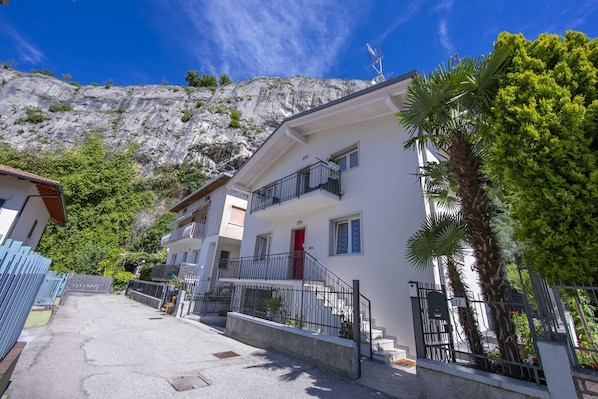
x=21, y=274
x=318, y=176
x=51, y=288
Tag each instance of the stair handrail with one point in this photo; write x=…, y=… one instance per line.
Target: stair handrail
x=363, y=299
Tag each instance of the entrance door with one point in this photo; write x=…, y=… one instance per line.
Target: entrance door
x=298, y=252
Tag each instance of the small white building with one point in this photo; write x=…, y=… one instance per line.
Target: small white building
x=27, y=203
x=354, y=218
x=208, y=230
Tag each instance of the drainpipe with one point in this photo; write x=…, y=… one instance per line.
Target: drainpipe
x=430, y=208
x=14, y=223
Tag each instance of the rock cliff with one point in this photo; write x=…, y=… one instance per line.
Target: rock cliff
x=219, y=127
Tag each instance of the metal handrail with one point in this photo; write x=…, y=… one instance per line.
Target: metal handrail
x=318, y=176
x=192, y=230
x=315, y=276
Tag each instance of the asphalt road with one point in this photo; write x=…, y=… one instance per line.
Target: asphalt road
x=108, y=346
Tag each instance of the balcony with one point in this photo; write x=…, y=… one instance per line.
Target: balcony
x=164, y=272
x=317, y=185
x=195, y=231
x=297, y=265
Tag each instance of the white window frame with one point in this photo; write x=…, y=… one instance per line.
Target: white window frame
x=345, y=159
x=262, y=246
x=336, y=223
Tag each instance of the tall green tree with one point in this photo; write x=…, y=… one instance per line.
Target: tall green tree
x=446, y=108
x=224, y=80
x=543, y=131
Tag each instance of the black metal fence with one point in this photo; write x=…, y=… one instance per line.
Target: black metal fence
x=202, y=305
x=318, y=176
x=440, y=336
x=164, y=272
x=311, y=306
x=577, y=307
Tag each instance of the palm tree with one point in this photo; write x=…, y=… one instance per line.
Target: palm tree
x=445, y=236
x=445, y=108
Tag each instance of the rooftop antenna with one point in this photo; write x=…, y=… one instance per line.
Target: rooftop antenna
x=376, y=56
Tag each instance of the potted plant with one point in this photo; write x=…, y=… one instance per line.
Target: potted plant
x=274, y=306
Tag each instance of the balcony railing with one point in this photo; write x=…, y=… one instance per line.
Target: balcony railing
x=318, y=176
x=164, y=272
x=192, y=230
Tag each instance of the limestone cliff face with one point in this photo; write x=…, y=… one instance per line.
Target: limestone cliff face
x=171, y=123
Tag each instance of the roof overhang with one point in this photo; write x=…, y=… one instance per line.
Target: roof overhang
x=49, y=190
x=213, y=184
x=379, y=100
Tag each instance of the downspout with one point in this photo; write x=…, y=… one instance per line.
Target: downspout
x=429, y=206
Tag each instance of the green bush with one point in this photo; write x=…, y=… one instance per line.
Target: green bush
x=60, y=108
x=43, y=72
x=33, y=115
x=187, y=114
x=199, y=104
x=121, y=280
x=234, y=124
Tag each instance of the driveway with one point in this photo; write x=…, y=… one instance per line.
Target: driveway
x=108, y=346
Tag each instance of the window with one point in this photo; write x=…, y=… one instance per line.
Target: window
x=237, y=216
x=347, y=236
x=348, y=160
x=263, y=246
x=224, y=255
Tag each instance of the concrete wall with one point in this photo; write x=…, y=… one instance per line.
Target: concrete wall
x=442, y=380
x=332, y=353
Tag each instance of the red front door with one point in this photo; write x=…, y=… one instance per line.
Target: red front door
x=298, y=251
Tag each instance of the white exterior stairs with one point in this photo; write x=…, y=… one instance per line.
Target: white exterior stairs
x=384, y=349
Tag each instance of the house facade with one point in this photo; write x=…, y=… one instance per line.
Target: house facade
x=335, y=183
x=208, y=230
x=27, y=203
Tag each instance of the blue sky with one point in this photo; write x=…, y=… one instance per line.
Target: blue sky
x=151, y=41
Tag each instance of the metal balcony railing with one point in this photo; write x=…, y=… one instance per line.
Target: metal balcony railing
x=318, y=176
x=164, y=272
x=192, y=230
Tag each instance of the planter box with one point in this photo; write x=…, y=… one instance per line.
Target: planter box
x=7, y=365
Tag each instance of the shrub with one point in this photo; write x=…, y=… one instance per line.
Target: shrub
x=187, y=114
x=121, y=280
x=224, y=80
x=60, y=108
x=43, y=72
x=33, y=115
x=234, y=124
x=199, y=104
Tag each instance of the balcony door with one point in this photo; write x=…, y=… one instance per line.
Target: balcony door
x=298, y=247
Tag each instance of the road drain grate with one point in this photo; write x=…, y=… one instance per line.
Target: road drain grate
x=156, y=318
x=188, y=382
x=225, y=355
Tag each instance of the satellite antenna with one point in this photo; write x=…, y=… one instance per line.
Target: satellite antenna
x=376, y=56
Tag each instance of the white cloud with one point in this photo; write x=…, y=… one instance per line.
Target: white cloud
x=256, y=38
x=444, y=37
x=410, y=12
x=26, y=50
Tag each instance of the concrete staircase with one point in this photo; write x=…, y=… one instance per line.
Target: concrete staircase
x=384, y=349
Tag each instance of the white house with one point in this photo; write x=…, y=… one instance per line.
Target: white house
x=354, y=221
x=208, y=229
x=27, y=203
